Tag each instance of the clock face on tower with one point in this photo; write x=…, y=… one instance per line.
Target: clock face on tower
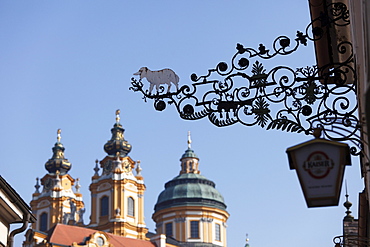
x=100, y=241
x=108, y=166
x=126, y=166
x=48, y=184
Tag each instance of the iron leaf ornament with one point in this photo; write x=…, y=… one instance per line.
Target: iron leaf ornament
x=290, y=99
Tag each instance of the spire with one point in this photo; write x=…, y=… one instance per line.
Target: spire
x=247, y=241
x=58, y=162
x=96, y=169
x=138, y=168
x=37, y=186
x=347, y=204
x=189, y=160
x=189, y=153
x=77, y=186
x=189, y=140
x=117, y=143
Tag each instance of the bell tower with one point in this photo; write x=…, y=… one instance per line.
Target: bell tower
x=57, y=202
x=117, y=195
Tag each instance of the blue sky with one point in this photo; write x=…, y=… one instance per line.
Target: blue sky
x=68, y=64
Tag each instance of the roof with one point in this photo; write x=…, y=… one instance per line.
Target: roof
x=66, y=235
x=170, y=242
x=190, y=189
x=17, y=201
x=189, y=153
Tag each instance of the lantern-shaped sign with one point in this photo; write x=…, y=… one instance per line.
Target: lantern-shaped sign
x=319, y=164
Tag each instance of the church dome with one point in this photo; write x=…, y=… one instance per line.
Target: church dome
x=189, y=153
x=58, y=162
x=190, y=189
x=117, y=144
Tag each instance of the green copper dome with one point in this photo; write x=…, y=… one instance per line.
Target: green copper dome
x=189, y=153
x=190, y=189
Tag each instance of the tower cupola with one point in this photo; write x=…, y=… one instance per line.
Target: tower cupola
x=189, y=160
x=117, y=143
x=117, y=204
x=190, y=206
x=57, y=202
x=57, y=161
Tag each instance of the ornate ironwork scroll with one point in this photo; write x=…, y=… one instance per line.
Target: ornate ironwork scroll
x=350, y=241
x=295, y=100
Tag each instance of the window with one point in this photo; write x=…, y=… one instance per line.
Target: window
x=169, y=232
x=130, y=206
x=44, y=222
x=194, y=229
x=218, y=232
x=104, y=206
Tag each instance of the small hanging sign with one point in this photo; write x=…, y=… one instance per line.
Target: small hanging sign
x=320, y=164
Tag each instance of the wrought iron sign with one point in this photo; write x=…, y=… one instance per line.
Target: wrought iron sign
x=290, y=99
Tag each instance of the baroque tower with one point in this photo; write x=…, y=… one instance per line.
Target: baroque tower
x=117, y=195
x=57, y=202
x=190, y=209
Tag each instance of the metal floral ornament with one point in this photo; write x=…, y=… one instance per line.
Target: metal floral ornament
x=290, y=99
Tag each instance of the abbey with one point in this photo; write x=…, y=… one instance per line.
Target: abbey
x=189, y=211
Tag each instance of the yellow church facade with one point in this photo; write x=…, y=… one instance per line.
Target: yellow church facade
x=188, y=212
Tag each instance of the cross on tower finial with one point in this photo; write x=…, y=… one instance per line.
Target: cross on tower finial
x=189, y=140
x=118, y=111
x=58, y=135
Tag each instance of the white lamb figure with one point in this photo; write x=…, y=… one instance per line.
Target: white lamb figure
x=164, y=76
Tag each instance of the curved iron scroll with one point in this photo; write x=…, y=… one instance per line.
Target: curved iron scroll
x=295, y=100
x=350, y=241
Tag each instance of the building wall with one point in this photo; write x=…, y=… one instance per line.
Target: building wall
x=9, y=214
x=4, y=231
x=118, y=185
x=181, y=218
x=360, y=31
x=12, y=210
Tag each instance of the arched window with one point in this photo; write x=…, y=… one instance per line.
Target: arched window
x=194, y=229
x=130, y=206
x=169, y=231
x=44, y=222
x=104, y=206
x=218, y=232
